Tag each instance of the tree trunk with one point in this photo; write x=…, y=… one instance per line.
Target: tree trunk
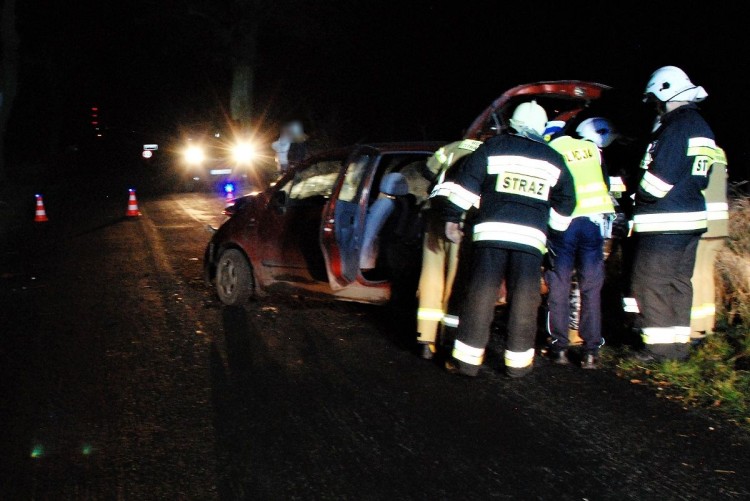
x=243, y=74
x=241, y=100
x=8, y=73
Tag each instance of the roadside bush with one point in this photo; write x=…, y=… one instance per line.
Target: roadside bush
x=733, y=267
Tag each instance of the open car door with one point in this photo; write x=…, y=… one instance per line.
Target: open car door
x=344, y=217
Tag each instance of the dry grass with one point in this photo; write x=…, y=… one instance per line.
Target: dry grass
x=733, y=267
x=717, y=375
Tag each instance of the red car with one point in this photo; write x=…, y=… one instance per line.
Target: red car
x=324, y=228
x=335, y=225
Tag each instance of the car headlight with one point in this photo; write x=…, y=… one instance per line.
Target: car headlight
x=243, y=153
x=194, y=155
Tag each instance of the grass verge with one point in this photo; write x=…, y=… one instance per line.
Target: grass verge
x=717, y=375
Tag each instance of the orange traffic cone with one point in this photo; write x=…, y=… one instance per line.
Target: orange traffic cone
x=41, y=214
x=132, y=205
x=228, y=199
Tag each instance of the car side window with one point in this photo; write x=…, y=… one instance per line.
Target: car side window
x=353, y=178
x=411, y=166
x=315, y=181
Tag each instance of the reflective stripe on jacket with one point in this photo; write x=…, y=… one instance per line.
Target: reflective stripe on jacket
x=524, y=186
x=669, y=198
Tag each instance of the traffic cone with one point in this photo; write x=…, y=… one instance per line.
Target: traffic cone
x=41, y=214
x=228, y=199
x=132, y=205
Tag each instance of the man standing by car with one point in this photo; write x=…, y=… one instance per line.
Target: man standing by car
x=524, y=186
x=670, y=214
x=439, y=254
x=579, y=249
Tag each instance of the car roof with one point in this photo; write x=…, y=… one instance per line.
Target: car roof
x=380, y=147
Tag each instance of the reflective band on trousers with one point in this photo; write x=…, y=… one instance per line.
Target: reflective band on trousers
x=430, y=314
x=665, y=335
x=673, y=221
x=468, y=354
x=629, y=305
x=717, y=211
x=655, y=186
x=657, y=335
x=519, y=359
x=616, y=185
x=450, y=320
x=682, y=334
x=703, y=311
x=509, y=232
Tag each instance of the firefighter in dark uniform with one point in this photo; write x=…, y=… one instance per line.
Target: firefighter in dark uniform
x=524, y=185
x=439, y=255
x=669, y=215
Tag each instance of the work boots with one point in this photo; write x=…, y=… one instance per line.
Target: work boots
x=559, y=357
x=590, y=360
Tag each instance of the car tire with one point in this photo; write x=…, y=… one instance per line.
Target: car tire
x=234, y=278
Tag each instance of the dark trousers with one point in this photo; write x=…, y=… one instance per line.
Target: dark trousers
x=662, y=287
x=522, y=272
x=579, y=248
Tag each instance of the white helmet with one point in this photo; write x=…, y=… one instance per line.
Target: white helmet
x=529, y=116
x=598, y=130
x=670, y=83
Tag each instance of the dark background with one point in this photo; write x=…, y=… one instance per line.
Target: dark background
x=356, y=71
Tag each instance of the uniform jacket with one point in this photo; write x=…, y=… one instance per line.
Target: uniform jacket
x=443, y=164
x=717, y=200
x=524, y=185
x=669, y=198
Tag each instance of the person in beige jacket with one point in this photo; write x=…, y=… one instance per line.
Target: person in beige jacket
x=703, y=311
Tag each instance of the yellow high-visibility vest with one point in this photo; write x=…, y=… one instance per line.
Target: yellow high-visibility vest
x=584, y=162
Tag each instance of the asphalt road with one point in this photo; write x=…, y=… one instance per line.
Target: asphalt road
x=123, y=377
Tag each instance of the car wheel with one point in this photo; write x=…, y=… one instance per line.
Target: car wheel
x=234, y=278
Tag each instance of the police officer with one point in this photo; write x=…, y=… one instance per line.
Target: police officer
x=580, y=248
x=669, y=215
x=524, y=185
x=439, y=254
x=703, y=312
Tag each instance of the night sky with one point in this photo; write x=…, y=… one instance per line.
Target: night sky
x=366, y=71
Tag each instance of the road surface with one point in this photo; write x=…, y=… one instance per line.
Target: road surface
x=123, y=377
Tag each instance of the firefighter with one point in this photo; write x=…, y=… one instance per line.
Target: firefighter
x=439, y=255
x=669, y=214
x=579, y=249
x=524, y=186
x=703, y=312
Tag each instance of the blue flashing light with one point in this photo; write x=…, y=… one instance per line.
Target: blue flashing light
x=229, y=188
